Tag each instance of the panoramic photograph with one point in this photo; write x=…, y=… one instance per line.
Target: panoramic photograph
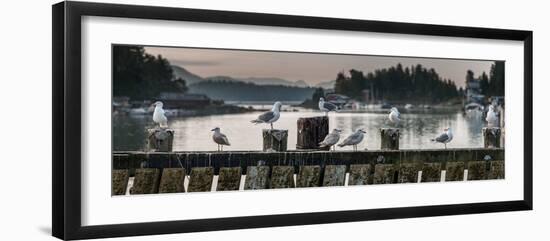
x=205, y=120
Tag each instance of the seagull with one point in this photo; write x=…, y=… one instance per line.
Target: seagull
x=270, y=116
x=220, y=138
x=353, y=139
x=492, y=118
x=158, y=115
x=394, y=116
x=331, y=139
x=445, y=137
x=326, y=106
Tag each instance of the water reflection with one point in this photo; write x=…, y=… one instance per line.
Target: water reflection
x=193, y=133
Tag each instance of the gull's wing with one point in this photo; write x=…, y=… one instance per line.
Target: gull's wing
x=221, y=139
x=442, y=138
x=265, y=117
x=330, y=106
x=330, y=139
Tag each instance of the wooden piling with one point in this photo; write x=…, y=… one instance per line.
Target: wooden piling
x=491, y=137
x=119, y=182
x=200, y=179
x=496, y=170
x=359, y=174
x=172, y=180
x=229, y=179
x=389, y=138
x=384, y=173
x=335, y=175
x=454, y=171
x=312, y=131
x=408, y=172
x=282, y=177
x=477, y=170
x=256, y=177
x=431, y=172
x=309, y=176
x=146, y=181
x=160, y=140
x=275, y=140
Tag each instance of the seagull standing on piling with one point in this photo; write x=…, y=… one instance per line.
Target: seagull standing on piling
x=331, y=139
x=326, y=106
x=492, y=118
x=270, y=116
x=220, y=138
x=394, y=116
x=445, y=137
x=353, y=139
x=158, y=115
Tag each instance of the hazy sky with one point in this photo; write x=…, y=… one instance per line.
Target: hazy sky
x=312, y=68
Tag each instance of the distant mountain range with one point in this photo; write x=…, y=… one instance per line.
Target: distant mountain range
x=190, y=78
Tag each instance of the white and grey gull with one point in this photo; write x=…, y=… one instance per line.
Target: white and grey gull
x=445, y=137
x=394, y=116
x=331, y=139
x=492, y=117
x=220, y=138
x=326, y=106
x=270, y=116
x=353, y=139
x=158, y=115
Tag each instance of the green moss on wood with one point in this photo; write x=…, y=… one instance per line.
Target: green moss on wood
x=200, y=179
x=257, y=177
x=229, y=179
x=282, y=177
x=172, y=180
x=119, y=179
x=146, y=181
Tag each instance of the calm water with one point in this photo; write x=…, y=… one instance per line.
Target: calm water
x=193, y=133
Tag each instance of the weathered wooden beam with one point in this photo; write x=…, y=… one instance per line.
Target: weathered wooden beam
x=408, y=172
x=477, y=170
x=309, y=176
x=312, y=131
x=172, y=180
x=119, y=182
x=160, y=139
x=384, y=173
x=282, y=177
x=389, y=138
x=274, y=140
x=334, y=175
x=257, y=177
x=243, y=159
x=454, y=171
x=359, y=174
x=431, y=172
x=200, y=179
x=146, y=181
x=496, y=170
x=229, y=179
x=491, y=137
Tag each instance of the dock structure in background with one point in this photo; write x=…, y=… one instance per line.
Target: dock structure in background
x=269, y=170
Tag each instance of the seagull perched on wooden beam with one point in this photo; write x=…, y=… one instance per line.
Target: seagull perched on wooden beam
x=353, y=139
x=270, y=116
x=220, y=138
x=445, y=137
x=158, y=115
x=331, y=139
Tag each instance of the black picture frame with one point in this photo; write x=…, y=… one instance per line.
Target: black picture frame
x=66, y=47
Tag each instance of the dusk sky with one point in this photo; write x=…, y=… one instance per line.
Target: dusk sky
x=311, y=68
